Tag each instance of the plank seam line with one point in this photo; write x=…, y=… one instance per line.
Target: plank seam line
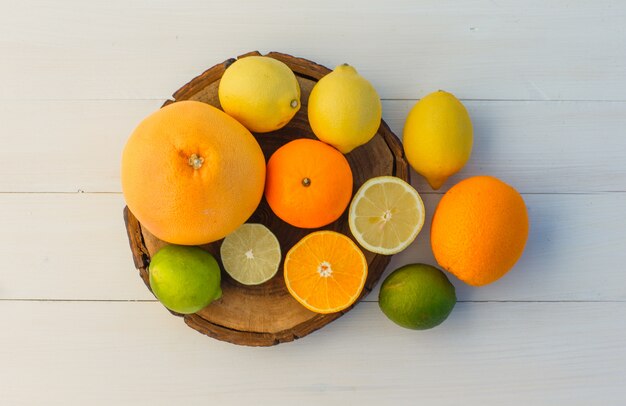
x=363, y=301
x=80, y=300
x=529, y=301
x=521, y=100
x=158, y=99
x=80, y=191
x=77, y=192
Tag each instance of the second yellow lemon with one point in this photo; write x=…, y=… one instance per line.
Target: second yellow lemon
x=344, y=109
x=438, y=137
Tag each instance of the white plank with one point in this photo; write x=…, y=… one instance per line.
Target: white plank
x=66, y=146
x=71, y=246
x=74, y=246
x=479, y=49
x=485, y=353
x=536, y=146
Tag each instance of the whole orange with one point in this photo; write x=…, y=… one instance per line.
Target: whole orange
x=191, y=174
x=309, y=183
x=479, y=230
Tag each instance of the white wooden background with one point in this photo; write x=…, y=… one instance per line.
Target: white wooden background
x=545, y=84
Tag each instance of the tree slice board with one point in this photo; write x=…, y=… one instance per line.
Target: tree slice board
x=266, y=314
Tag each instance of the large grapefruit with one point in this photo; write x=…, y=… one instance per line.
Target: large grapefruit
x=191, y=174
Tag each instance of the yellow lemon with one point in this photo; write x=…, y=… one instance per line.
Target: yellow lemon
x=438, y=137
x=260, y=92
x=344, y=109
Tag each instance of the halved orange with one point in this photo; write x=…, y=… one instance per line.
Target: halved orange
x=325, y=271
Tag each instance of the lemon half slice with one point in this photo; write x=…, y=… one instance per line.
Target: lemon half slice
x=251, y=254
x=386, y=215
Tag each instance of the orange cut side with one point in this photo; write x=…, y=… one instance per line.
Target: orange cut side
x=325, y=272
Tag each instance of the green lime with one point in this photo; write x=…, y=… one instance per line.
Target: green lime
x=185, y=279
x=417, y=296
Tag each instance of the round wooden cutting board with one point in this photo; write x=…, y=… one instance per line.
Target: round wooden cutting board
x=266, y=315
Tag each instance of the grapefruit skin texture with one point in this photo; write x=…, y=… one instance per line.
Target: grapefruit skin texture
x=177, y=202
x=479, y=230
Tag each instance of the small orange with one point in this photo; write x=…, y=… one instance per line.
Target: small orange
x=325, y=272
x=191, y=174
x=479, y=230
x=309, y=183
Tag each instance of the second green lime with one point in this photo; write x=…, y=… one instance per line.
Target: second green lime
x=417, y=296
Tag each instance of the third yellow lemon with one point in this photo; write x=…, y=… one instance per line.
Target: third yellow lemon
x=344, y=109
x=438, y=137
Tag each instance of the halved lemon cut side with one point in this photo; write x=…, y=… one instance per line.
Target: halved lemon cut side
x=386, y=215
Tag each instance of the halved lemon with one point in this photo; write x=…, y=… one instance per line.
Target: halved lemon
x=251, y=254
x=386, y=214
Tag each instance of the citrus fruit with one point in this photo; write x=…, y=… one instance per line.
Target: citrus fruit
x=251, y=254
x=344, y=109
x=386, y=214
x=479, y=230
x=185, y=279
x=438, y=137
x=325, y=271
x=261, y=92
x=309, y=183
x=191, y=174
x=417, y=296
